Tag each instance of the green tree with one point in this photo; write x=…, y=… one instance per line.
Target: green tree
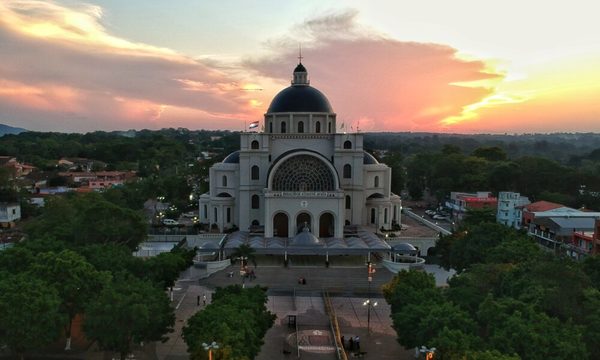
x=492, y=153
x=76, y=281
x=237, y=319
x=128, y=311
x=29, y=309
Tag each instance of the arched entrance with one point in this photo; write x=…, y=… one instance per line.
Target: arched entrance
x=280, y=225
x=326, y=225
x=302, y=220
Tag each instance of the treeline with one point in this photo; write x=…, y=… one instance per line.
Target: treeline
x=77, y=261
x=145, y=151
x=561, y=147
x=509, y=300
x=489, y=168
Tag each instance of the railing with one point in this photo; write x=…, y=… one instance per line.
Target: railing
x=335, y=327
x=325, y=194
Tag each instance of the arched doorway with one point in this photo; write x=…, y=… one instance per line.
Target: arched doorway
x=302, y=220
x=280, y=225
x=326, y=225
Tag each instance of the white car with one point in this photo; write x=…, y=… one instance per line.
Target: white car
x=440, y=217
x=170, y=222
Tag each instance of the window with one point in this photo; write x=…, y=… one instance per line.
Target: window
x=283, y=127
x=254, y=145
x=270, y=127
x=372, y=215
x=255, y=202
x=347, y=171
x=318, y=127
x=228, y=215
x=329, y=128
x=205, y=212
x=395, y=212
x=385, y=216
x=348, y=202
x=376, y=181
x=301, y=126
x=303, y=173
x=215, y=215
x=255, y=173
x=347, y=144
x=224, y=180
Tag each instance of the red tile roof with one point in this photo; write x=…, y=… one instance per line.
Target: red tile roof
x=542, y=206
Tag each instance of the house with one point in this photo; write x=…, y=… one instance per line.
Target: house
x=460, y=202
x=585, y=243
x=510, y=208
x=16, y=168
x=9, y=214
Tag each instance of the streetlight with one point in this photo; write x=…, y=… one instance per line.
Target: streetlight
x=209, y=348
x=368, y=303
x=429, y=352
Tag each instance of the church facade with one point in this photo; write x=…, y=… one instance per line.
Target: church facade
x=300, y=174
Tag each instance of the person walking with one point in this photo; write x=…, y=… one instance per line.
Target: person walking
x=343, y=342
x=357, y=343
x=351, y=343
x=204, y=299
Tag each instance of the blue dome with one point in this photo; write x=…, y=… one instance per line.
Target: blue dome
x=300, y=99
x=233, y=158
x=369, y=159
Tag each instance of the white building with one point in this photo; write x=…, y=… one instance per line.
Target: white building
x=510, y=208
x=9, y=213
x=300, y=173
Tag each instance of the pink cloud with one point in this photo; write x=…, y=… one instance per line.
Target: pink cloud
x=396, y=85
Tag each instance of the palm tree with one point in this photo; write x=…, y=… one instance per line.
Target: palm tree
x=244, y=252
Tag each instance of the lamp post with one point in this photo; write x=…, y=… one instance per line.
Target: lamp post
x=209, y=348
x=368, y=303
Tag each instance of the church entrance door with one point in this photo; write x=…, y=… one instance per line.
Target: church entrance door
x=302, y=220
x=280, y=225
x=326, y=226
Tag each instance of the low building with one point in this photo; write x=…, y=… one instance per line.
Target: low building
x=510, y=208
x=9, y=214
x=461, y=202
x=530, y=210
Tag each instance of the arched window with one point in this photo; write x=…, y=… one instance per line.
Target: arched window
x=254, y=173
x=329, y=128
x=300, y=126
x=255, y=202
x=376, y=181
x=385, y=216
x=224, y=180
x=347, y=171
x=348, y=202
x=303, y=173
x=372, y=215
x=347, y=144
x=318, y=127
x=270, y=127
x=283, y=124
x=254, y=145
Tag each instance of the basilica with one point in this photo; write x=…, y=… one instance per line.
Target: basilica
x=299, y=183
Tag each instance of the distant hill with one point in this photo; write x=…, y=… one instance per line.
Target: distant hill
x=5, y=129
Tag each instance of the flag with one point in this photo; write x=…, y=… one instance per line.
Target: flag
x=253, y=125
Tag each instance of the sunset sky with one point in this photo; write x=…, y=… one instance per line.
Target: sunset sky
x=456, y=66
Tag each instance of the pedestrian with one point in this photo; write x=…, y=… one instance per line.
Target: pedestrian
x=204, y=299
x=357, y=343
x=343, y=342
x=351, y=343
x=198, y=301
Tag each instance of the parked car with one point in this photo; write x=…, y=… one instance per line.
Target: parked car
x=190, y=214
x=440, y=217
x=170, y=222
